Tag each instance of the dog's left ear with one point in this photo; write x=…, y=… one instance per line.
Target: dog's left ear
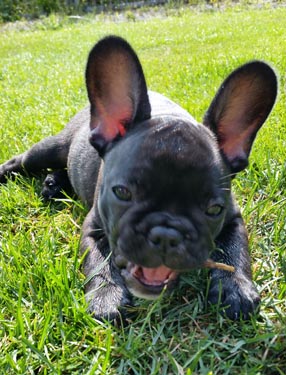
x=116, y=89
x=240, y=107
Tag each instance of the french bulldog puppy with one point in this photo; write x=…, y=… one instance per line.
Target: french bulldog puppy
x=157, y=182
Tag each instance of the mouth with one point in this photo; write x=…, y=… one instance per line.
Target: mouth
x=154, y=277
x=148, y=283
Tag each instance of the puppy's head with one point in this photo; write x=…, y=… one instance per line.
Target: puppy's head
x=165, y=189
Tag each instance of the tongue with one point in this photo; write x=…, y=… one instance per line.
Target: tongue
x=156, y=275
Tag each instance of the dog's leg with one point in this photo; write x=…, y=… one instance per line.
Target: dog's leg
x=105, y=289
x=51, y=152
x=235, y=292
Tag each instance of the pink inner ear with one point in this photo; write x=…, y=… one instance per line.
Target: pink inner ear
x=112, y=119
x=236, y=140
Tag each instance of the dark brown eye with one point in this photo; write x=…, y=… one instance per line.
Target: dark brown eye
x=214, y=210
x=122, y=193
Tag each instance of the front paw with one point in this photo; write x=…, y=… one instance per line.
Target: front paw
x=109, y=302
x=235, y=293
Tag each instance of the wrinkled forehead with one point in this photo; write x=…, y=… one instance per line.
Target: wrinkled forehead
x=176, y=140
x=165, y=145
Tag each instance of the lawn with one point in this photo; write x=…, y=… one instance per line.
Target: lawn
x=44, y=326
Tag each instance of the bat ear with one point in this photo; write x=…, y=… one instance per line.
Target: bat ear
x=116, y=89
x=238, y=110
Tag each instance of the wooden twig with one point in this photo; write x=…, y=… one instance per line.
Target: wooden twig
x=209, y=263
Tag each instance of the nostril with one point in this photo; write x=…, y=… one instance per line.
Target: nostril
x=156, y=240
x=173, y=242
x=156, y=236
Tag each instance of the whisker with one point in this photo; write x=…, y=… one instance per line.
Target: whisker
x=227, y=176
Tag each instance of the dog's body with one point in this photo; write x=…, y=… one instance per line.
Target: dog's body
x=157, y=183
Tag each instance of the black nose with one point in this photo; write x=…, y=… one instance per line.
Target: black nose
x=164, y=238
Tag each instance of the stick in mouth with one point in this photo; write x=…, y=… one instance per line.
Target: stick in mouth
x=209, y=263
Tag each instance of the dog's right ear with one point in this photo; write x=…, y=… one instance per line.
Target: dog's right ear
x=116, y=89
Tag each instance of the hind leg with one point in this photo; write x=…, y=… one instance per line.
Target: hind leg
x=51, y=152
x=55, y=183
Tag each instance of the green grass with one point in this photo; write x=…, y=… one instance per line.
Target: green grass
x=44, y=327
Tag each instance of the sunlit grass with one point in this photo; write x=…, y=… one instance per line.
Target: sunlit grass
x=44, y=327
